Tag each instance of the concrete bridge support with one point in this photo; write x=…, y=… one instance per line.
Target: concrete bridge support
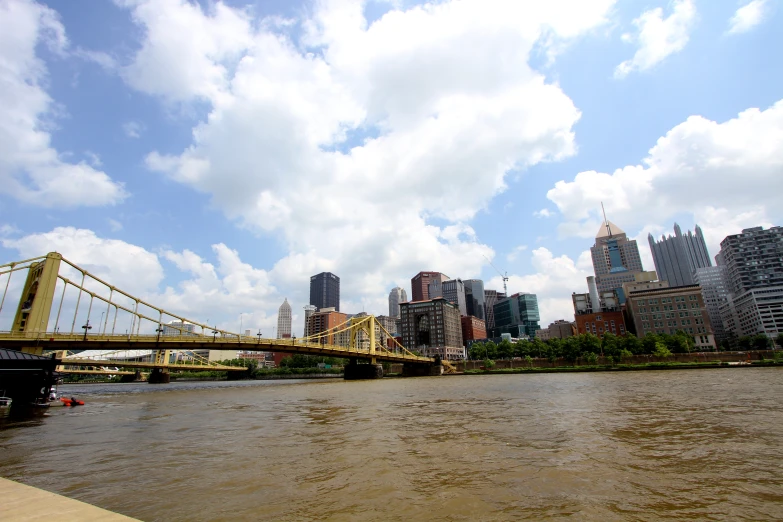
x=422, y=370
x=159, y=376
x=355, y=372
x=136, y=377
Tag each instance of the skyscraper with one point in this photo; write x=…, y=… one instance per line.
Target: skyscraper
x=615, y=259
x=517, y=315
x=677, y=257
x=396, y=296
x=308, y=311
x=474, y=298
x=712, y=280
x=284, y=320
x=454, y=292
x=490, y=298
x=753, y=261
x=325, y=291
x=420, y=284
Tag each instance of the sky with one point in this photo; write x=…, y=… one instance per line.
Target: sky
x=211, y=156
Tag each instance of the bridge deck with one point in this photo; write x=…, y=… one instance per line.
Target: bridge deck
x=78, y=361
x=51, y=341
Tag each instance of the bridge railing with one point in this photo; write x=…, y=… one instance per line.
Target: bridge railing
x=220, y=342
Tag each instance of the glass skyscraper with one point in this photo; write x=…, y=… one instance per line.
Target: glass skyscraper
x=678, y=257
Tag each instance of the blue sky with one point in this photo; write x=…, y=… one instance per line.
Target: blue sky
x=211, y=156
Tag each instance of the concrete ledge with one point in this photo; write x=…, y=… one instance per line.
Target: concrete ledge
x=355, y=372
x=21, y=502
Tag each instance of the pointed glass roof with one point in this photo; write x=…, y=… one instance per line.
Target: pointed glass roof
x=603, y=233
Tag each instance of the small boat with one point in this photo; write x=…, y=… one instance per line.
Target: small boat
x=71, y=402
x=5, y=406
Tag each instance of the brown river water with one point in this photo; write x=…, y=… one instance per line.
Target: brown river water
x=703, y=444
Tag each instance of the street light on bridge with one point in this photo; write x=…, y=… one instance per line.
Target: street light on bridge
x=259, y=336
x=159, y=329
x=86, y=327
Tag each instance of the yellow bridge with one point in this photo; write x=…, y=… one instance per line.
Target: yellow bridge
x=132, y=333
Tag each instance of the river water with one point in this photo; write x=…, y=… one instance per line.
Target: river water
x=595, y=446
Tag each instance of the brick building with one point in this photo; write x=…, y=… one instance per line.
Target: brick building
x=420, y=284
x=598, y=319
x=432, y=327
x=324, y=320
x=473, y=328
x=669, y=310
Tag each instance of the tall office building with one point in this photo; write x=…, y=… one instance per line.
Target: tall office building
x=490, y=298
x=396, y=296
x=474, y=298
x=420, y=284
x=308, y=311
x=517, y=315
x=284, y=320
x=714, y=291
x=454, y=292
x=325, y=291
x=753, y=261
x=616, y=259
x=677, y=257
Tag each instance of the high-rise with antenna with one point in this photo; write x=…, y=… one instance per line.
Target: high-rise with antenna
x=616, y=258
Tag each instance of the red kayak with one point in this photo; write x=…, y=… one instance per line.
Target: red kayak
x=69, y=402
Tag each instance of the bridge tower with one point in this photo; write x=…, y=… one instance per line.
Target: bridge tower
x=353, y=371
x=35, y=303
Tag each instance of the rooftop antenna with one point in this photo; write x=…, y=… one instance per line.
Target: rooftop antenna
x=606, y=221
x=503, y=275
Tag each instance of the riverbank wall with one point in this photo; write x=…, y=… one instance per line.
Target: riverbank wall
x=700, y=357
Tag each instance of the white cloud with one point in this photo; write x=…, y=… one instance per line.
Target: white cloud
x=514, y=254
x=658, y=37
x=747, y=17
x=441, y=97
x=93, y=159
x=216, y=293
x=30, y=169
x=133, y=129
x=124, y=265
x=554, y=281
x=114, y=225
x=543, y=213
x=721, y=173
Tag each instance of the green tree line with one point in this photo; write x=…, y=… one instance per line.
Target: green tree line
x=589, y=346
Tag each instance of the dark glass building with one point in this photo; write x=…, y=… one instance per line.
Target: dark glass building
x=474, y=298
x=516, y=315
x=325, y=291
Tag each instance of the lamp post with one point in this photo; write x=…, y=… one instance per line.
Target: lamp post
x=259, y=336
x=159, y=329
x=86, y=327
x=214, y=333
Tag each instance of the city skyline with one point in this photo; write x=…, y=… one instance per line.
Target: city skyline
x=197, y=184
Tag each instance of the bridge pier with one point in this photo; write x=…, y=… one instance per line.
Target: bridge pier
x=132, y=378
x=159, y=376
x=354, y=372
x=422, y=370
